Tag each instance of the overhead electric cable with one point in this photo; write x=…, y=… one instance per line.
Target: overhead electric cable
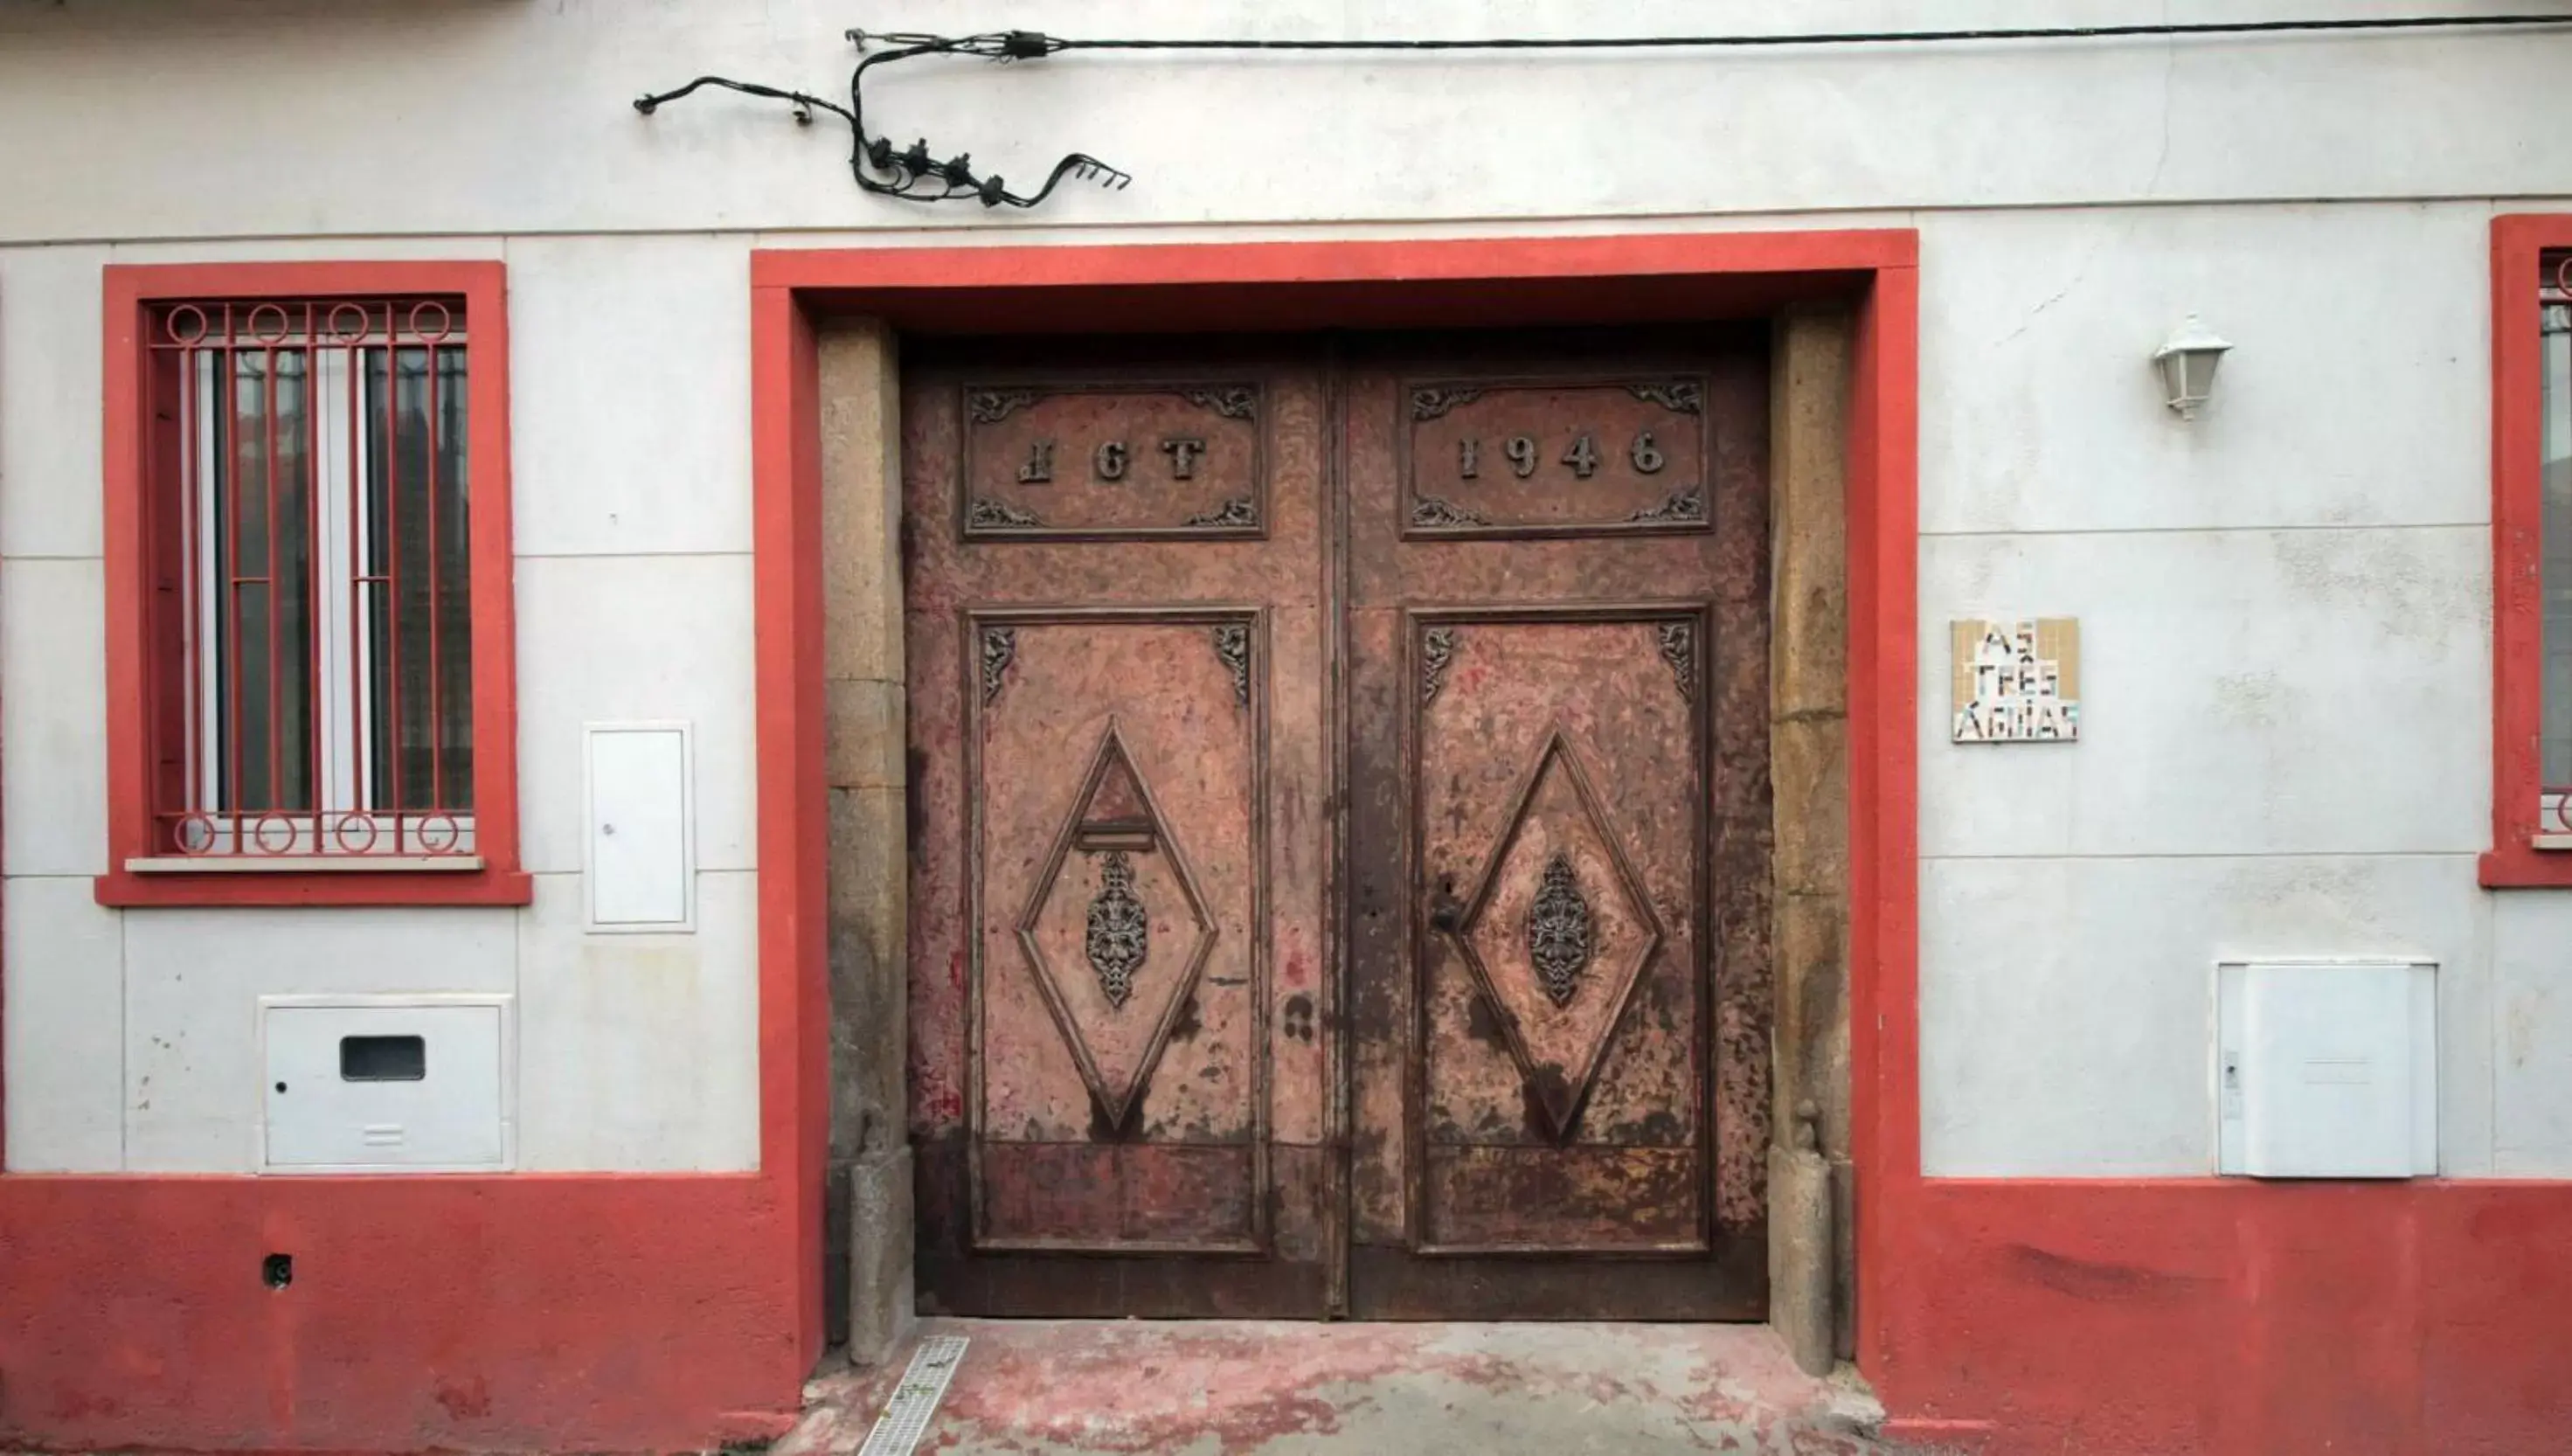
x=915, y=175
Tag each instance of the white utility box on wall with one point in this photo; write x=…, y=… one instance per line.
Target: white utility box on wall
x=379, y=1083
x=642, y=837
x=2326, y=1069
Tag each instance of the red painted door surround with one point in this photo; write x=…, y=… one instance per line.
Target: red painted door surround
x=660, y=1311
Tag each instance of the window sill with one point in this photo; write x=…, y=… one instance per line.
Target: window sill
x=2540, y=862
x=305, y=864
x=179, y=881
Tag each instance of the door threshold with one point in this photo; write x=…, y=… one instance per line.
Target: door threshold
x=1433, y=1387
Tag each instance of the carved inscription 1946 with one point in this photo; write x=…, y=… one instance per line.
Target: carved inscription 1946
x=1542, y=457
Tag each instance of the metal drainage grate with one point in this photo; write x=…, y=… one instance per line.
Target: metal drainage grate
x=913, y=1405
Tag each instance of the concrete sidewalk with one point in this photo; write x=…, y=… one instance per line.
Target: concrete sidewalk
x=1230, y=1388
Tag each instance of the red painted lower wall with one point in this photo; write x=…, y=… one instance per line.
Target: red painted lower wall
x=2426, y=1319
x=628, y=1313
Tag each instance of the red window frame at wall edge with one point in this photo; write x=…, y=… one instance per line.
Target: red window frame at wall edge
x=2518, y=246
x=129, y=292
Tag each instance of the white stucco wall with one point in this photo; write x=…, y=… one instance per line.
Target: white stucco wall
x=130, y=1038
x=2284, y=607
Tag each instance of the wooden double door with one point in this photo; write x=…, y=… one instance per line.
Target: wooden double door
x=1340, y=825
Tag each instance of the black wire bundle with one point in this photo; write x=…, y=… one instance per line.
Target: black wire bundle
x=915, y=175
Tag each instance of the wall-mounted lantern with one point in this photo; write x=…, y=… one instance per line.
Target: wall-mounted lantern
x=2187, y=362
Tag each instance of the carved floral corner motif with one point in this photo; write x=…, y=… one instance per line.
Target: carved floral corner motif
x=1436, y=511
x=1686, y=506
x=1240, y=510
x=1436, y=650
x=1232, y=647
x=1679, y=649
x=1000, y=649
x=1432, y=400
x=999, y=515
x=1232, y=402
x=1679, y=397
x=990, y=407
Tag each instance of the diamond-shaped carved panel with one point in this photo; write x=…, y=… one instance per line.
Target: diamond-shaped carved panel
x=1558, y=931
x=1115, y=931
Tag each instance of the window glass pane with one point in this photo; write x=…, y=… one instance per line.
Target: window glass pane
x=257, y=509
x=2555, y=573
x=420, y=608
x=455, y=590
x=289, y=456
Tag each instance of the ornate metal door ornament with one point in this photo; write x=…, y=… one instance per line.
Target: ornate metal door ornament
x=1558, y=930
x=1120, y=931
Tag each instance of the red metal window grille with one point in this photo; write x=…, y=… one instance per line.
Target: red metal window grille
x=307, y=490
x=2554, y=562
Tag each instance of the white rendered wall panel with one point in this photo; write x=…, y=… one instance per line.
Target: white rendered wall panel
x=2357, y=391
x=639, y=1051
x=2319, y=691
x=630, y=394
x=50, y=351
x=608, y=639
x=2067, y=1006
x=192, y=983
x=2531, y=1035
x=53, y=716
x=62, y=1027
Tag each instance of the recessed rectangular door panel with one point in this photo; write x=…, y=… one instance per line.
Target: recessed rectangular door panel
x=1558, y=808
x=1116, y=808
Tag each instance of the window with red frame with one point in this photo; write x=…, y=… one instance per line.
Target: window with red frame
x=308, y=494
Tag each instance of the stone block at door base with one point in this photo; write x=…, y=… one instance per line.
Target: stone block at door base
x=1800, y=1257
x=879, y=1251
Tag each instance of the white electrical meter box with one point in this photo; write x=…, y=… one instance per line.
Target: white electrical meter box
x=2326, y=1069
x=385, y=1084
x=641, y=863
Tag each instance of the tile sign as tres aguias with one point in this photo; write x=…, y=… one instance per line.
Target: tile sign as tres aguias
x=2016, y=681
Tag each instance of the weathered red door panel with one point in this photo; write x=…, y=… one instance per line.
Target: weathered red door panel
x=1559, y=825
x=1116, y=667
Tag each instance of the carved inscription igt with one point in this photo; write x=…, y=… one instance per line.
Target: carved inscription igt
x=1092, y=461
